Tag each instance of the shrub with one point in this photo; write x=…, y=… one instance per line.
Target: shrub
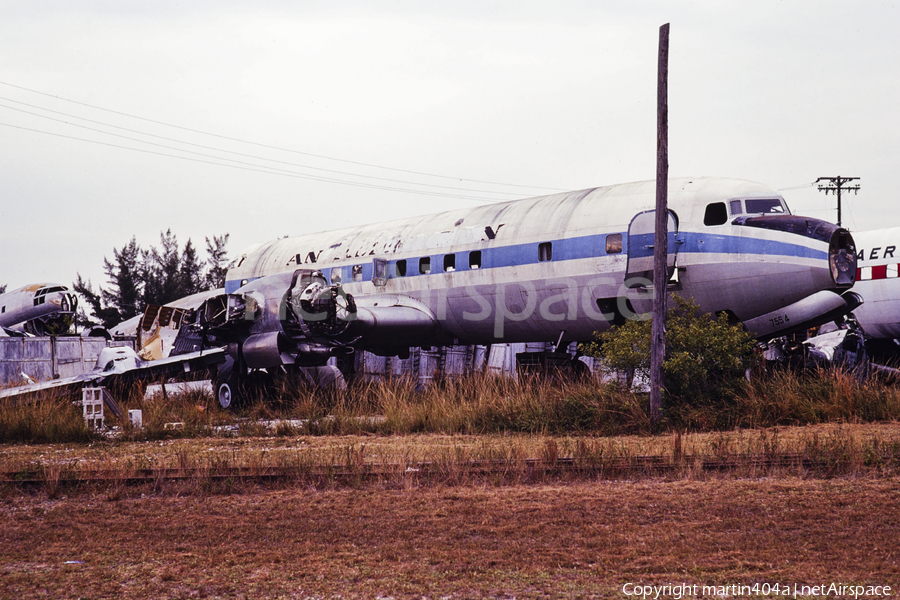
x=706, y=358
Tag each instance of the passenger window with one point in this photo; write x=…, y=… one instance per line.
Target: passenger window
x=614, y=243
x=379, y=271
x=357, y=272
x=475, y=259
x=716, y=214
x=336, y=276
x=735, y=206
x=425, y=265
x=545, y=252
x=401, y=268
x=449, y=262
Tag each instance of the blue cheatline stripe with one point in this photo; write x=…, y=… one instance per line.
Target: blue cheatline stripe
x=575, y=248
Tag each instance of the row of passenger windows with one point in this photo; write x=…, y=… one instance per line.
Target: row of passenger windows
x=423, y=266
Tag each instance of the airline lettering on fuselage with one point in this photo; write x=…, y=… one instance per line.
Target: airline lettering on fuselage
x=876, y=254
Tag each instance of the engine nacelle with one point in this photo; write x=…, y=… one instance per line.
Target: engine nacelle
x=264, y=350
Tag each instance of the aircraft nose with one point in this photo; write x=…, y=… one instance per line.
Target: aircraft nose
x=66, y=302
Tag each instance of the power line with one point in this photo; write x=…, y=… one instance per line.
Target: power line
x=214, y=148
x=797, y=187
x=837, y=184
x=273, y=147
x=268, y=170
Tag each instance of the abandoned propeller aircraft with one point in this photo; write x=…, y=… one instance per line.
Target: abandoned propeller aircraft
x=37, y=309
x=552, y=268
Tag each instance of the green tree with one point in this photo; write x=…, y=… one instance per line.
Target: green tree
x=190, y=273
x=160, y=271
x=106, y=316
x=217, y=262
x=706, y=358
x=138, y=277
x=124, y=275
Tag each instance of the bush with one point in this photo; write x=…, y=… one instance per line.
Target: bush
x=706, y=358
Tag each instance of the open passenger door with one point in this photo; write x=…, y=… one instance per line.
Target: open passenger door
x=641, y=236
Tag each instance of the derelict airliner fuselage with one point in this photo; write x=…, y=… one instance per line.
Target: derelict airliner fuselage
x=550, y=268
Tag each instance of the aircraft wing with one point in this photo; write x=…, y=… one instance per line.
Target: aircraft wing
x=122, y=365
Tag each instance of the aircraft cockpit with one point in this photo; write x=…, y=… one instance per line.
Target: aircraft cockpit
x=719, y=213
x=67, y=302
x=758, y=206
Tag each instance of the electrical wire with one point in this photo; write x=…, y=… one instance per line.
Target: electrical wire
x=213, y=148
x=258, y=169
x=797, y=187
x=271, y=146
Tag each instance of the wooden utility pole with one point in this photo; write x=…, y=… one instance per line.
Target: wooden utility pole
x=836, y=186
x=660, y=240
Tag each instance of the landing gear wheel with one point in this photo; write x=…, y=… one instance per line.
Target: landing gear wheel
x=228, y=391
x=225, y=394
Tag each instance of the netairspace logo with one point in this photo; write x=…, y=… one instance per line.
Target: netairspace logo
x=686, y=590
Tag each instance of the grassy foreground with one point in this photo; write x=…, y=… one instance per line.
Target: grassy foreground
x=581, y=540
x=213, y=465
x=458, y=537
x=473, y=405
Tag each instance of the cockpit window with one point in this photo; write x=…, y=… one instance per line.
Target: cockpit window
x=769, y=206
x=735, y=206
x=50, y=290
x=716, y=214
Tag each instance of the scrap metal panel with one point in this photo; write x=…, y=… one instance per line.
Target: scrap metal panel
x=75, y=355
x=44, y=358
x=25, y=355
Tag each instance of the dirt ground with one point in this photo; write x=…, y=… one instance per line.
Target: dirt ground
x=576, y=540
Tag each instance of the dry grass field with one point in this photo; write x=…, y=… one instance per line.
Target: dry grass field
x=404, y=538
x=579, y=540
x=481, y=489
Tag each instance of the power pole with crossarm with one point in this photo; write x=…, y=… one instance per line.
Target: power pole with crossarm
x=837, y=184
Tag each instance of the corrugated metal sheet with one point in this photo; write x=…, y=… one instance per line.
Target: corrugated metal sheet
x=44, y=358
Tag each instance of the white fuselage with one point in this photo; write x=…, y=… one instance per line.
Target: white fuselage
x=567, y=264
x=39, y=302
x=878, y=282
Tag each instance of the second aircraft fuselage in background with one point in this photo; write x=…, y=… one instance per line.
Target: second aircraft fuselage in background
x=878, y=282
x=38, y=309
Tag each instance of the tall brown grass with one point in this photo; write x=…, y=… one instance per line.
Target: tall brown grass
x=785, y=398
x=48, y=417
x=475, y=404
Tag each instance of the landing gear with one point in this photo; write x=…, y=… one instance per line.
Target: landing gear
x=227, y=384
x=225, y=394
x=236, y=387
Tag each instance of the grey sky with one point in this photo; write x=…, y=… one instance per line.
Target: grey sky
x=553, y=94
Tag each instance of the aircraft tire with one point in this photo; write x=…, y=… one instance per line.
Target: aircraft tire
x=226, y=394
x=227, y=383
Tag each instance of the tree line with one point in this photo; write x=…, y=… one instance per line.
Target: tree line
x=137, y=277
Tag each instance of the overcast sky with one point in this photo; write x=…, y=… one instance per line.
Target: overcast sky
x=302, y=99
